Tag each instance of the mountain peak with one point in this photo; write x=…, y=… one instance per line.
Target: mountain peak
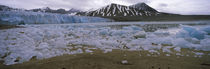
x=143, y=6
x=3, y=7
x=45, y=8
x=122, y=10
x=112, y=10
x=7, y=8
x=73, y=10
x=141, y=3
x=113, y=4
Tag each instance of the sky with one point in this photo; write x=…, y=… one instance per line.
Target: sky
x=185, y=7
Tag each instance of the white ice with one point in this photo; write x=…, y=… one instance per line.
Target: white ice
x=18, y=45
x=27, y=17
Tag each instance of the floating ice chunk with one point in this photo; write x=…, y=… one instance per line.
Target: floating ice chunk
x=146, y=47
x=178, y=54
x=141, y=34
x=197, y=34
x=167, y=49
x=206, y=29
x=162, y=33
x=205, y=44
x=191, y=32
x=198, y=53
x=88, y=51
x=118, y=32
x=135, y=28
x=153, y=51
x=148, y=55
x=77, y=51
x=193, y=40
x=132, y=48
x=168, y=55
x=43, y=45
x=107, y=50
x=164, y=41
x=104, y=32
x=188, y=29
x=181, y=42
x=178, y=49
x=124, y=62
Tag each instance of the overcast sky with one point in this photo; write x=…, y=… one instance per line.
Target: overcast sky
x=170, y=6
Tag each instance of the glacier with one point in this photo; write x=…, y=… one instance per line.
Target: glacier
x=28, y=17
x=18, y=45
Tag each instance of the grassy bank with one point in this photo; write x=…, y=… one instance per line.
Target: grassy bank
x=2, y=26
x=113, y=60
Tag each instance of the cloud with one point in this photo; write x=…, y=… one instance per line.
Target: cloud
x=171, y=6
x=182, y=6
x=163, y=5
x=67, y=4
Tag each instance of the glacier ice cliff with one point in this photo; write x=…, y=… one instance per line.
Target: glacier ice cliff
x=27, y=17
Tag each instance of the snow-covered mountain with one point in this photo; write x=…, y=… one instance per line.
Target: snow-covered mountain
x=73, y=10
x=44, y=9
x=144, y=7
x=4, y=8
x=7, y=8
x=139, y=9
x=60, y=11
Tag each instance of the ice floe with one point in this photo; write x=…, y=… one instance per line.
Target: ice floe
x=18, y=45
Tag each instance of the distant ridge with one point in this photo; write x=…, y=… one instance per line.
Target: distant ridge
x=61, y=11
x=139, y=9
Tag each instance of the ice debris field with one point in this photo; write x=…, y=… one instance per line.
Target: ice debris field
x=18, y=45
